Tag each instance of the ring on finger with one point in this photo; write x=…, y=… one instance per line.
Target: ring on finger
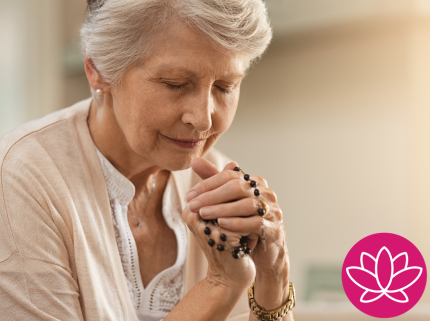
x=263, y=208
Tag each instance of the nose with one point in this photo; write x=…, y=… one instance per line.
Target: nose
x=199, y=111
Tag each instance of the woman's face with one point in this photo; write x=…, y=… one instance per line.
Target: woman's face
x=178, y=101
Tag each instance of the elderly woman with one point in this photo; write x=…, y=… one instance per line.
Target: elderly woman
x=108, y=211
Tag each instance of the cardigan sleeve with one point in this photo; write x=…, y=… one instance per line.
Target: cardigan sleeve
x=36, y=280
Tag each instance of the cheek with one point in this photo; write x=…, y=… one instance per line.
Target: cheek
x=223, y=119
x=149, y=111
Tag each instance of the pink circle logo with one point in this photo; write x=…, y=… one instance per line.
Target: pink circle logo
x=384, y=275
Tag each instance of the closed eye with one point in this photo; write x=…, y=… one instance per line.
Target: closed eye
x=223, y=90
x=175, y=87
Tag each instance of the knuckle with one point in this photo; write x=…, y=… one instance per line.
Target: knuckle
x=229, y=175
x=279, y=234
x=278, y=214
x=203, y=187
x=236, y=186
x=271, y=195
x=262, y=181
x=205, y=198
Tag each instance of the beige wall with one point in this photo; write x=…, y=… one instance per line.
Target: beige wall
x=337, y=121
x=335, y=116
x=30, y=60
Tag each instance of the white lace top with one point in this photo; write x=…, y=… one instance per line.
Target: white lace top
x=154, y=302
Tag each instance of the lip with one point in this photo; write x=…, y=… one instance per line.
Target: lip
x=186, y=143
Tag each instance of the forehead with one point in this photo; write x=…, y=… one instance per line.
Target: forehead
x=181, y=50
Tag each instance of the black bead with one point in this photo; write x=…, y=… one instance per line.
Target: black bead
x=257, y=192
x=261, y=212
x=205, y=221
x=223, y=237
x=248, y=251
x=207, y=230
x=253, y=183
x=235, y=255
x=215, y=222
x=211, y=242
x=220, y=248
x=243, y=239
x=246, y=177
x=237, y=169
x=237, y=249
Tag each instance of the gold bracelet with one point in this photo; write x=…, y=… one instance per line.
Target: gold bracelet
x=276, y=314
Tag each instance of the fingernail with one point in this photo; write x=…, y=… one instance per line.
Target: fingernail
x=190, y=195
x=194, y=205
x=205, y=212
x=223, y=221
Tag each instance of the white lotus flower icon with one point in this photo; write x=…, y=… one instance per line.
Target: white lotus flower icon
x=384, y=275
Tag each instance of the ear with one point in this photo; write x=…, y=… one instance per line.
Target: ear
x=94, y=77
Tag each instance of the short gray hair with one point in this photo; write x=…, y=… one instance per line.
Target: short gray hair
x=118, y=33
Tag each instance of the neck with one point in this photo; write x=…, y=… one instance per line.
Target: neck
x=112, y=143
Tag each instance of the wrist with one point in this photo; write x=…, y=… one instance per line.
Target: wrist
x=223, y=288
x=271, y=287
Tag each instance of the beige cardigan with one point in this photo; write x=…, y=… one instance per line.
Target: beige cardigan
x=58, y=254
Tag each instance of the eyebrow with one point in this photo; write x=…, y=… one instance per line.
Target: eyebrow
x=191, y=74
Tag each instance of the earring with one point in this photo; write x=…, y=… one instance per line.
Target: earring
x=99, y=92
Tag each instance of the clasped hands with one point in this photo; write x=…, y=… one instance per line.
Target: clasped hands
x=226, y=196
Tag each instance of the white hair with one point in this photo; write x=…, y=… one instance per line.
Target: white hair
x=118, y=33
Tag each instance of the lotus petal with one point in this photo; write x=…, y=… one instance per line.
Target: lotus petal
x=405, y=278
x=400, y=262
x=399, y=297
x=363, y=278
x=384, y=267
x=368, y=297
x=368, y=262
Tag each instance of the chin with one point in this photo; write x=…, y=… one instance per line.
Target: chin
x=176, y=163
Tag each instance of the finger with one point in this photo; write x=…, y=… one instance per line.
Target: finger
x=218, y=239
x=230, y=166
x=228, y=239
x=231, y=191
x=203, y=168
x=249, y=225
x=232, y=239
x=212, y=183
x=222, y=178
x=243, y=207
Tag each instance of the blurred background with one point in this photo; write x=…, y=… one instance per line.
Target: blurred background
x=335, y=117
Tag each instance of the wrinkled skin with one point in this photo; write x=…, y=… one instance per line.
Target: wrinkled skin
x=188, y=91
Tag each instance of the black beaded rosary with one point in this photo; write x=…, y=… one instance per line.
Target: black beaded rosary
x=239, y=252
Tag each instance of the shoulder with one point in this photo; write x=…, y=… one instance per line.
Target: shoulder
x=26, y=141
x=37, y=157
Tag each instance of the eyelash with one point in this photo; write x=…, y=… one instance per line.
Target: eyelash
x=223, y=90
x=176, y=87
x=179, y=87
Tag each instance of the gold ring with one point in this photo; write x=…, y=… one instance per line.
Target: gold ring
x=264, y=207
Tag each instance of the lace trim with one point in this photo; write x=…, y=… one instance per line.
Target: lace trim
x=167, y=288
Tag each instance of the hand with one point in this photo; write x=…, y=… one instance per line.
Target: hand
x=228, y=197
x=222, y=267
